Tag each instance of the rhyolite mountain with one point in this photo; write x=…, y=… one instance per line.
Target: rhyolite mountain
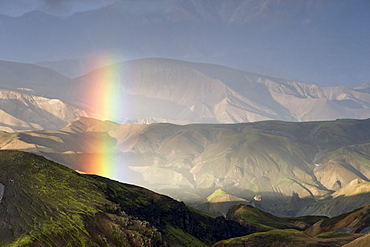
x=47, y=204
x=292, y=166
x=164, y=90
x=29, y=101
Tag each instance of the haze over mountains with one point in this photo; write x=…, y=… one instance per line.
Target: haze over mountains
x=321, y=42
x=164, y=90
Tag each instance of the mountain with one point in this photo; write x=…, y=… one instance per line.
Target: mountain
x=219, y=202
x=25, y=111
x=349, y=228
x=164, y=90
x=317, y=42
x=29, y=99
x=44, y=203
x=280, y=162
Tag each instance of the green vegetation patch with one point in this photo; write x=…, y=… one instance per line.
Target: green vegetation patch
x=218, y=193
x=333, y=235
x=268, y=239
x=43, y=198
x=266, y=220
x=336, y=219
x=177, y=236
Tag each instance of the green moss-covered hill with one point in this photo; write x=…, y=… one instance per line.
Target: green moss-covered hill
x=43, y=203
x=308, y=231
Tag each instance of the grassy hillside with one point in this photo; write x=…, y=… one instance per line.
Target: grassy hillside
x=269, y=230
x=47, y=204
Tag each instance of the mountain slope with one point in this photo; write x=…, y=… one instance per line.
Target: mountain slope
x=25, y=111
x=158, y=90
x=31, y=99
x=165, y=90
x=43, y=203
x=290, y=165
x=303, y=231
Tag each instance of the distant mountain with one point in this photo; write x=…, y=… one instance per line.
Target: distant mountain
x=25, y=111
x=30, y=99
x=322, y=42
x=31, y=78
x=163, y=90
x=290, y=166
x=44, y=203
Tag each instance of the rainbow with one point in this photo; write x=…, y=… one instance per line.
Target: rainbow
x=103, y=92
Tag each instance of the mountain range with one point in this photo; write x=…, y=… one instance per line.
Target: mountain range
x=320, y=42
x=47, y=204
x=164, y=90
x=292, y=166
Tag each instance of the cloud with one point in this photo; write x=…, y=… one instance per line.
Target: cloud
x=53, y=7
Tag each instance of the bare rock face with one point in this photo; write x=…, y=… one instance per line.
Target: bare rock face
x=24, y=111
x=2, y=188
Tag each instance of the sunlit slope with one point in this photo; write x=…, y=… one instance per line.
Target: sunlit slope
x=274, y=159
x=269, y=230
x=47, y=204
x=31, y=99
x=24, y=111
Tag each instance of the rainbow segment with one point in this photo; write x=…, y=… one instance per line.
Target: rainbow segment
x=103, y=93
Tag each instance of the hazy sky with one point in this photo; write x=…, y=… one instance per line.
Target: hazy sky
x=314, y=41
x=54, y=7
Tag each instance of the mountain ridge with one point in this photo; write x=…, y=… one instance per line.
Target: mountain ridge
x=180, y=92
x=273, y=159
x=45, y=203
x=222, y=94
